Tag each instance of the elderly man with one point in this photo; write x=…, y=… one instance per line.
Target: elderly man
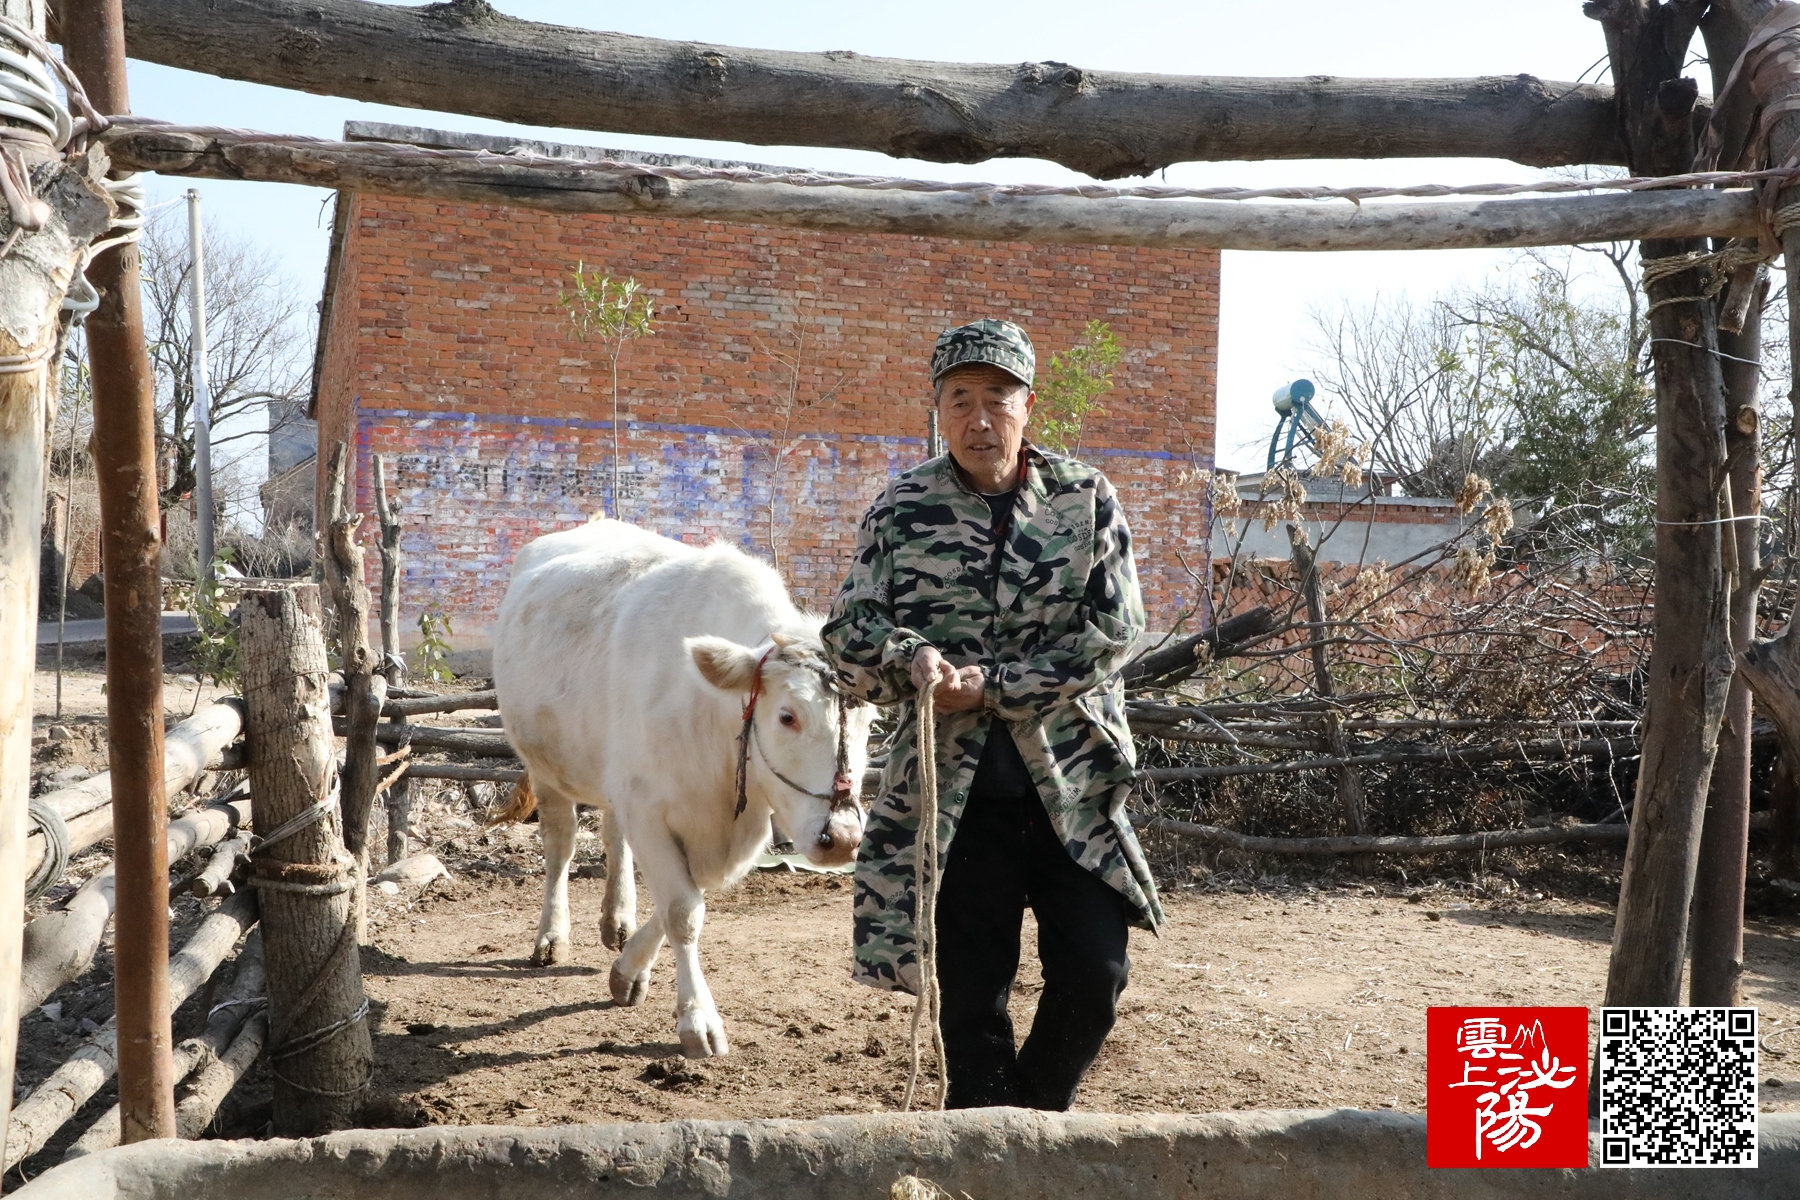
x=1001, y=577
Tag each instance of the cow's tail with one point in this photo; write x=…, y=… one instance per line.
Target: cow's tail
x=520, y=805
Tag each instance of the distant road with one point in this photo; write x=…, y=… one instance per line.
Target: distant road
x=95, y=631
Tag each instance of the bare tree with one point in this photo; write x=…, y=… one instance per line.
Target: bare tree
x=258, y=345
x=1539, y=381
x=1417, y=384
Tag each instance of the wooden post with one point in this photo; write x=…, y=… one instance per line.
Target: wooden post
x=364, y=690
x=1716, y=971
x=392, y=664
x=399, y=794
x=1770, y=669
x=35, y=273
x=1349, y=783
x=1689, y=674
x=1784, y=818
x=131, y=545
x=320, y=1044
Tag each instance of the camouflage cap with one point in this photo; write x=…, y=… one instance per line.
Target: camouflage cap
x=997, y=343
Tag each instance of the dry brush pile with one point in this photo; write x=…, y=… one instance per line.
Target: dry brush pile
x=1476, y=688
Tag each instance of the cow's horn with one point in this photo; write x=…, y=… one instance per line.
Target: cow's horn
x=784, y=640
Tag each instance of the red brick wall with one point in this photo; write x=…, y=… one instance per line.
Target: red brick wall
x=447, y=350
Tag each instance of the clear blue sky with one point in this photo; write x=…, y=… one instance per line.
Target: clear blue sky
x=1264, y=322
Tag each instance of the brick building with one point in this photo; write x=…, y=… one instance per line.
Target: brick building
x=783, y=384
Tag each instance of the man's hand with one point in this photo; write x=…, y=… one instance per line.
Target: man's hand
x=953, y=690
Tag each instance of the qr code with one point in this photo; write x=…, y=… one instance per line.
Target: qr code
x=1677, y=1087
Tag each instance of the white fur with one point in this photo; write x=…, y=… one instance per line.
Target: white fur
x=601, y=696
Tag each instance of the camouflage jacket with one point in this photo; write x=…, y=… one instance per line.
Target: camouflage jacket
x=1052, y=631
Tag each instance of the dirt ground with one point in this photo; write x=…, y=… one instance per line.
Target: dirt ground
x=1259, y=994
x=1301, y=990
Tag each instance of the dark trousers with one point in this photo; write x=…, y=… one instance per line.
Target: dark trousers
x=1005, y=856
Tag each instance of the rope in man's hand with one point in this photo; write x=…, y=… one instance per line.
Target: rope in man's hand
x=925, y=889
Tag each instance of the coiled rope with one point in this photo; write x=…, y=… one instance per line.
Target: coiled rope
x=28, y=75
x=929, y=1005
x=50, y=823
x=1717, y=267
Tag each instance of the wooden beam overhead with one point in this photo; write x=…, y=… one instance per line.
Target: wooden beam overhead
x=575, y=187
x=465, y=57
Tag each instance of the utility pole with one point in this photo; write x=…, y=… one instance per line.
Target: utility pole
x=203, y=492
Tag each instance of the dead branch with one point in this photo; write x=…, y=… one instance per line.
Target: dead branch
x=1388, y=845
x=1171, y=664
x=1540, y=751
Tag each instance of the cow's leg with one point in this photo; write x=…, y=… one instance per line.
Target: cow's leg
x=697, y=1021
x=630, y=975
x=681, y=910
x=620, y=917
x=556, y=825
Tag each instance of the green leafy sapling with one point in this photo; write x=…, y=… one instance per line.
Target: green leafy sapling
x=216, y=653
x=613, y=312
x=1069, y=392
x=431, y=657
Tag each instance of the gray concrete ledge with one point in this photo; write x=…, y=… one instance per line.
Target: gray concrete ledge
x=991, y=1154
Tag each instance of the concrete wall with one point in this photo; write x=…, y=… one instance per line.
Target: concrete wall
x=1385, y=529
x=990, y=1154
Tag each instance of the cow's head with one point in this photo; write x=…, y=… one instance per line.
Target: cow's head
x=795, y=737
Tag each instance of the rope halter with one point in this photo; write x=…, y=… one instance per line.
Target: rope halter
x=843, y=790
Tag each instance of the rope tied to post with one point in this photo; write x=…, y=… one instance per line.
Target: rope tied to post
x=925, y=888
x=29, y=72
x=1716, y=266
x=1746, y=111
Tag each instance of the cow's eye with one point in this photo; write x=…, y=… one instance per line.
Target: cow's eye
x=788, y=719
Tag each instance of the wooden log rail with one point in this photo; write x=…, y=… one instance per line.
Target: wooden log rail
x=230, y=1008
x=412, y=706
x=1538, y=751
x=1438, y=844
x=574, y=186
x=188, y=749
x=485, y=743
x=51, y=1104
x=60, y=945
x=465, y=57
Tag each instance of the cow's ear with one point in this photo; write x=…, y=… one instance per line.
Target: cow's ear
x=724, y=664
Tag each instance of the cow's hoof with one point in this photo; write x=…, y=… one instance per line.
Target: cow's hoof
x=614, y=934
x=628, y=990
x=702, y=1035
x=550, y=951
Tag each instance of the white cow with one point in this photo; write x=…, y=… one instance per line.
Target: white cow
x=623, y=663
